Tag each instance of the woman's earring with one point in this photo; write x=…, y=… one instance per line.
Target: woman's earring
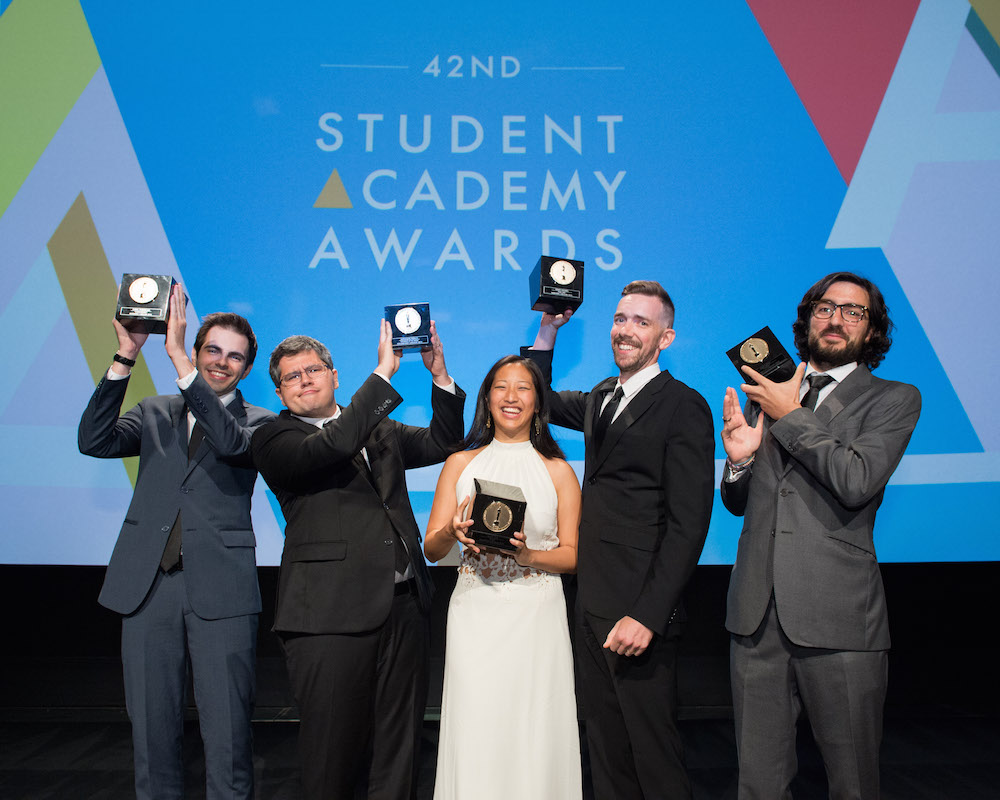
x=538, y=426
x=489, y=421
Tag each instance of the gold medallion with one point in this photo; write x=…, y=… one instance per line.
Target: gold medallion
x=497, y=516
x=753, y=350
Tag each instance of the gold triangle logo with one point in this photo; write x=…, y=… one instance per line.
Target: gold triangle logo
x=334, y=195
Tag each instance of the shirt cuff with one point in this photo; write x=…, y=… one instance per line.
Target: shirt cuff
x=734, y=471
x=187, y=380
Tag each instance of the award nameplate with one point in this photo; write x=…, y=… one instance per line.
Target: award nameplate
x=144, y=302
x=556, y=284
x=763, y=353
x=410, y=323
x=497, y=514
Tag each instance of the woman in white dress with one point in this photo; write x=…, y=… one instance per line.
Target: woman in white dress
x=508, y=710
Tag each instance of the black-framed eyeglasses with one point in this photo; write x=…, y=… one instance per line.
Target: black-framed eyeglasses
x=851, y=313
x=312, y=371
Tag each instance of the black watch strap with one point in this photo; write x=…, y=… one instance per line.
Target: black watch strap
x=128, y=362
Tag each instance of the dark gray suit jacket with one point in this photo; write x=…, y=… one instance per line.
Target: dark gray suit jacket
x=211, y=491
x=809, y=501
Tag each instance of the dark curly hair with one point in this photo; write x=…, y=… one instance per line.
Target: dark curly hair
x=879, y=323
x=480, y=435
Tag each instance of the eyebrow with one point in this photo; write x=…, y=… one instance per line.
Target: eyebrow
x=228, y=353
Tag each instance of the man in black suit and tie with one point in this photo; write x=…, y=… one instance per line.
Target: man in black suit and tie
x=183, y=573
x=806, y=607
x=648, y=488
x=354, y=590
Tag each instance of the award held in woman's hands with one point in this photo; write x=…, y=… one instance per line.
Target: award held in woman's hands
x=762, y=352
x=144, y=302
x=497, y=514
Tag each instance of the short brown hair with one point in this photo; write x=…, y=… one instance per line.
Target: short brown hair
x=292, y=346
x=653, y=289
x=230, y=321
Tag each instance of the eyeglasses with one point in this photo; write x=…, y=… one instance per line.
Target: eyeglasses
x=293, y=378
x=851, y=313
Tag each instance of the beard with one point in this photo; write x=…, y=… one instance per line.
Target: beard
x=827, y=356
x=630, y=360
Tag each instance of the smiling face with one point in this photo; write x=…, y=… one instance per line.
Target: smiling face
x=833, y=341
x=512, y=403
x=307, y=395
x=639, y=333
x=222, y=359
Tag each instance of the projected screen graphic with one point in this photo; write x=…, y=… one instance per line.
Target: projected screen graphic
x=307, y=165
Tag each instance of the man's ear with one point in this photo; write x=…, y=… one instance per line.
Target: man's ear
x=667, y=338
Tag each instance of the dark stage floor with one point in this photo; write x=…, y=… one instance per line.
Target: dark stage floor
x=78, y=755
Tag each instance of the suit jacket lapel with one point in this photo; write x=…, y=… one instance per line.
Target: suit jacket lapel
x=596, y=400
x=843, y=394
x=235, y=408
x=374, y=469
x=177, y=410
x=636, y=407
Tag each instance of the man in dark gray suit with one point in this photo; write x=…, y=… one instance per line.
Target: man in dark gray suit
x=806, y=606
x=183, y=573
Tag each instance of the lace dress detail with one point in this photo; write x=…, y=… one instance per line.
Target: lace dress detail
x=508, y=711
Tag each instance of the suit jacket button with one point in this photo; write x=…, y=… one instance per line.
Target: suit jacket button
x=165, y=528
x=387, y=541
x=385, y=506
x=783, y=492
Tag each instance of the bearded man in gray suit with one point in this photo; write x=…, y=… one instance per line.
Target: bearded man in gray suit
x=806, y=608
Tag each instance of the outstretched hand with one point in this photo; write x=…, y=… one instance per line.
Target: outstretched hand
x=433, y=357
x=739, y=439
x=176, y=331
x=549, y=327
x=388, y=359
x=130, y=341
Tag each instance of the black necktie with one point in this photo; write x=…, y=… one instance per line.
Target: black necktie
x=816, y=383
x=608, y=414
x=172, y=552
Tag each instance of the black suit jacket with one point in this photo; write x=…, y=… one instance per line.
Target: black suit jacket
x=337, y=567
x=211, y=491
x=647, y=496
